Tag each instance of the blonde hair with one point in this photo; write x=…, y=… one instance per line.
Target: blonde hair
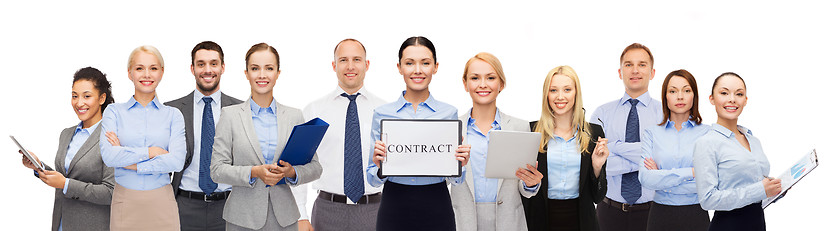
x=545, y=126
x=489, y=59
x=149, y=50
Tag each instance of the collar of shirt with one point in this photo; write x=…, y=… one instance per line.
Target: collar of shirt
x=644, y=99
x=88, y=130
x=363, y=93
x=255, y=109
x=133, y=102
x=430, y=103
x=496, y=121
x=197, y=97
x=728, y=133
x=560, y=139
x=687, y=124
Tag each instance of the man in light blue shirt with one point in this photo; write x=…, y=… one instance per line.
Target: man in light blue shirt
x=198, y=210
x=627, y=203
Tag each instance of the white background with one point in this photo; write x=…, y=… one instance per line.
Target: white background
x=787, y=52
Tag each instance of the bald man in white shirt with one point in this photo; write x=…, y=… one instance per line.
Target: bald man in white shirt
x=345, y=200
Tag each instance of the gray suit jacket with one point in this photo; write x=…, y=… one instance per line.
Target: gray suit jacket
x=236, y=149
x=509, y=212
x=185, y=104
x=87, y=204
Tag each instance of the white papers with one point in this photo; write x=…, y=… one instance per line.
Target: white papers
x=793, y=174
x=509, y=151
x=421, y=147
x=37, y=164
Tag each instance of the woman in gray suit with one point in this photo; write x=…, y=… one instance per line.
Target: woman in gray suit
x=484, y=203
x=83, y=184
x=249, y=139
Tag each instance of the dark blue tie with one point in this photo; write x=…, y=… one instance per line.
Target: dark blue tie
x=208, y=131
x=354, y=183
x=631, y=189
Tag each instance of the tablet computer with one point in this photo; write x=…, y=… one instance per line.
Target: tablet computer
x=37, y=164
x=509, y=151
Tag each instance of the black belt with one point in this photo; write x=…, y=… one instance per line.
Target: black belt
x=627, y=207
x=365, y=199
x=216, y=196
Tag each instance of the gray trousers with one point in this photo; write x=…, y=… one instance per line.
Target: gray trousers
x=270, y=223
x=200, y=215
x=328, y=215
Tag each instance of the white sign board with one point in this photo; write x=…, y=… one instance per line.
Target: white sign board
x=421, y=147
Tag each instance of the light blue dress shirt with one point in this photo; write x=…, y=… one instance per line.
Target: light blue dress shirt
x=402, y=109
x=563, y=158
x=728, y=175
x=485, y=188
x=673, y=152
x=265, y=124
x=139, y=128
x=625, y=157
x=189, y=181
x=80, y=136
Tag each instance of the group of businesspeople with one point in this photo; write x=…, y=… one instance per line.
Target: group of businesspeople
x=208, y=161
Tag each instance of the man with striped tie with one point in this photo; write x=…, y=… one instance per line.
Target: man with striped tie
x=627, y=204
x=345, y=201
x=200, y=200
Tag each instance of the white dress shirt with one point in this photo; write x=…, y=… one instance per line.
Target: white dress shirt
x=189, y=182
x=332, y=108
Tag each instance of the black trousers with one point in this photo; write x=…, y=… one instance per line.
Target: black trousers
x=563, y=215
x=200, y=215
x=415, y=207
x=671, y=217
x=750, y=217
x=613, y=219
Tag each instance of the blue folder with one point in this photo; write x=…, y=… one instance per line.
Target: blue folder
x=303, y=142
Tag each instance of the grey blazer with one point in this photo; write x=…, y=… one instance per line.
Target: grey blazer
x=236, y=149
x=87, y=204
x=509, y=212
x=185, y=104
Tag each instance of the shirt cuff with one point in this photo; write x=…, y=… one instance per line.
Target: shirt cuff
x=66, y=185
x=252, y=180
x=293, y=181
x=531, y=189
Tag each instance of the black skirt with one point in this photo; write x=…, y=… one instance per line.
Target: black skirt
x=563, y=215
x=750, y=217
x=415, y=207
x=671, y=217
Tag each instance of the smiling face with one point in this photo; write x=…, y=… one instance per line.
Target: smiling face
x=145, y=72
x=87, y=101
x=561, y=95
x=636, y=71
x=680, y=96
x=350, y=66
x=729, y=96
x=207, y=69
x=483, y=83
x=417, y=67
x=262, y=72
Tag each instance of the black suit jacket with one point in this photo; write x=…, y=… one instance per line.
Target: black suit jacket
x=592, y=190
x=185, y=104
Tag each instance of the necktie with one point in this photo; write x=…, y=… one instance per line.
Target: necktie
x=631, y=189
x=208, y=131
x=354, y=183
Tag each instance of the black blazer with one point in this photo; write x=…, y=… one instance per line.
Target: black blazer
x=592, y=190
x=185, y=104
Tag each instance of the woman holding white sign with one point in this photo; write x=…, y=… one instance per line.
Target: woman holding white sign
x=730, y=165
x=414, y=203
x=574, y=154
x=483, y=203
